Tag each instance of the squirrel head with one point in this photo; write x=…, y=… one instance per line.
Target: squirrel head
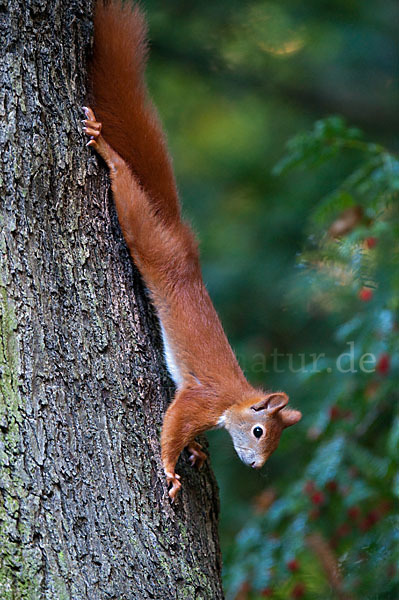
x=256, y=424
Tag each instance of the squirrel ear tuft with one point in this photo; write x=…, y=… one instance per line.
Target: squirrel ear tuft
x=290, y=417
x=272, y=403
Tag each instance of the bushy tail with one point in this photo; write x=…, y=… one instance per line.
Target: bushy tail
x=121, y=102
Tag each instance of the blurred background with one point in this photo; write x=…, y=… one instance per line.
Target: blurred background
x=282, y=119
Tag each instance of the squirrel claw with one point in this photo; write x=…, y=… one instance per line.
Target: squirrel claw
x=94, y=125
x=173, y=478
x=92, y=131
x=197, y=457
x=88, y=112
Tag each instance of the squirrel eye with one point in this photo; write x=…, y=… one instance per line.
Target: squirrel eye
x=257, y=431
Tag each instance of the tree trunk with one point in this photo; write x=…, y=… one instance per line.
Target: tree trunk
x=84, y=511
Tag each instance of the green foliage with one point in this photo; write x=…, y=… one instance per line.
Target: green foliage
x=232, y=81
x=326, y=139
x=332, y=531
x=373, y=183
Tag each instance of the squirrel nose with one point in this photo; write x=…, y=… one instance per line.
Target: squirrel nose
x=255, y=466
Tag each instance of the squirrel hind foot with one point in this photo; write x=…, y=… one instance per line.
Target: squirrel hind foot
x=92, y=128
x=173, y=478
x=197, y=456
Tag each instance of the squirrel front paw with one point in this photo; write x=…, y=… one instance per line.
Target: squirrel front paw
x=197, y=457
x=174, y=479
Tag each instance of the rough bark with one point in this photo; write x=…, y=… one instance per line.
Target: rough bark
x=84, y=512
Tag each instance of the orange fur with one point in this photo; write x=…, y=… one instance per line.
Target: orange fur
x=211, y=388
x=120, y=100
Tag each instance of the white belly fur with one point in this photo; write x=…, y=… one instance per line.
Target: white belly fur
x=170, y=360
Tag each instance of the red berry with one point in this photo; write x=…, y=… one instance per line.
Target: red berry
x=383, y=364
x=293, y=565
x=332, y=486
x=372, y=389
x=353, y=512
x=343, y=530
x=334, y=412
x=266, y=592
x=371, y=242
x=365, y=524
x=365, y=294
x=309, y=487
x=298, y=591
x=317, y=498
x=314, y=514
x=391, y=571
x=373, y=516
x=384, y=507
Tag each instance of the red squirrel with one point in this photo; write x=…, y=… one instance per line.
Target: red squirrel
x=211, y=390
